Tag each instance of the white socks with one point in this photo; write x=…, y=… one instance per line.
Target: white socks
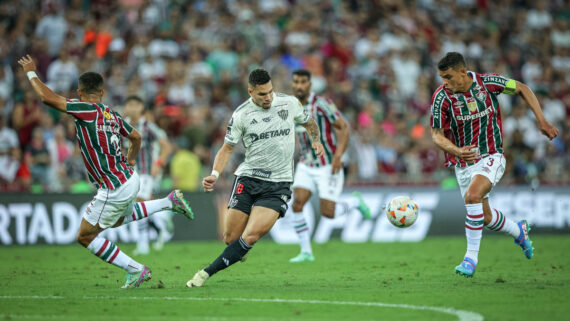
x=345, y=206
x=499, y=222
x=145, y=209
x=303, y=232
x=474, y=229
x=110, y=253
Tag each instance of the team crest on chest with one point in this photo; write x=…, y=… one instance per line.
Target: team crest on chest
x=283, y=114
x=106, y=114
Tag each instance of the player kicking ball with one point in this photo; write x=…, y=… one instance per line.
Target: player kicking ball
x=98, y=130
x=322, y=174
x=466, y=125
x=266, y=125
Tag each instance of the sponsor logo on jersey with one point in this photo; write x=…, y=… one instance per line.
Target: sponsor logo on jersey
x=261, y=173
x=108, y=128
x=269, y=134
x=267, y=119
x=283, y=114
x=107, y=115
x=480, y=114
x=253, y=122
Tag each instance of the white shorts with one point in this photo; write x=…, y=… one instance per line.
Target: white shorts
x=147, y=185
x=492, y=167
x=109, y=205
x=319, y=179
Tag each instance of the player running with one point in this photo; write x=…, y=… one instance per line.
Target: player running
x=466, y=125
x=98, y=128
x=153, y=155
x=322, y=174
x=266, y=124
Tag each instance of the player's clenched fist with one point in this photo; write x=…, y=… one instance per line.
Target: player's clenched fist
x=209, y=182
x=319, y=149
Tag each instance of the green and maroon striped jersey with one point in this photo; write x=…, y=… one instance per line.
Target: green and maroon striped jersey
x=150, y=148
x=98, y=128
x=472, y=117
x=325, y=113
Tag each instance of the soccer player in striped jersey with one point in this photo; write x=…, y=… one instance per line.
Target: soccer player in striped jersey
x=153, y=155
x=466, y=125
x=98, y=129
x=319, y=174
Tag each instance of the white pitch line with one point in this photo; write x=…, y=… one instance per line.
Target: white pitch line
x=462, y=315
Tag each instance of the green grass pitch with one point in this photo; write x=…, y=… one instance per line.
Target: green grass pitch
x=370, y=281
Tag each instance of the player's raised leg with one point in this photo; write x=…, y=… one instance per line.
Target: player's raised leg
x=299, y=223
x=173, y=202
x=260, y=221
x=496, y=221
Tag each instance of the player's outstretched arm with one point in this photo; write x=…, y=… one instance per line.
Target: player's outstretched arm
x=342, y=132
x=46, y=95
x=220, y=162
x=528, y=95
x=134, y=147
x=313, y=131
x=467, y=153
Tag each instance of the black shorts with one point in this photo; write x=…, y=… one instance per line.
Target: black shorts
x=249, y=192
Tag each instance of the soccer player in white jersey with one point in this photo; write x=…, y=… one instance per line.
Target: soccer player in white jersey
x=466, y=125
x=153, y=155
x=265, y=123
x=323, y=175
x=98, y=130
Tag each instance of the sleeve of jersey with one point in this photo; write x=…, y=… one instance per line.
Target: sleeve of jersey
x=499, y=84
x=300, y=115
x=81, y=110
x=124, y=128
x=234, y=131
x=439, y=110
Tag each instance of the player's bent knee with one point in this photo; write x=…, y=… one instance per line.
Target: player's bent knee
x=230, y=237
x=298, y=205
x=84, y=239
x=328, y=214
x=473, y=198
x=251, y=238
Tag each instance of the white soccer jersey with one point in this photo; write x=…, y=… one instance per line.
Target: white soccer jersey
x=268, y=136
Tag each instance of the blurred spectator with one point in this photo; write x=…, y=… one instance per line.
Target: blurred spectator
x=62, y=74
x=52, y=27
x=9, y=155
x=38, y=158
x=375, y=59
x=26, y=116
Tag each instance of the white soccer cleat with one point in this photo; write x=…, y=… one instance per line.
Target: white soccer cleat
x=198, y=280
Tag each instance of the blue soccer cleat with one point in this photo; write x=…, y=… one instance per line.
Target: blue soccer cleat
x=524, y=241
x=466, y=268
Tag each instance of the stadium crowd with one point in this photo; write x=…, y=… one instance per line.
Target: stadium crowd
x=189, y=60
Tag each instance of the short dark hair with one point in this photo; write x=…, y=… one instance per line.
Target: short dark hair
x=302, y=72
x=90, y=82
x=451, y=60
x=135, y=98
x=259, y=77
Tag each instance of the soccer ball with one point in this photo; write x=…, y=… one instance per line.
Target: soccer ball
x=402, y=211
